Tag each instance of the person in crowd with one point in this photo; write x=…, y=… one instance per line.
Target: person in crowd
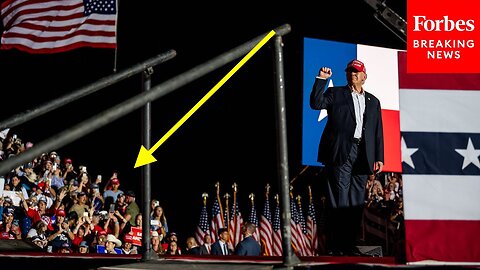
x=61, y=233
x=81, y=232
x=69, y=172
x=112, y=225
x=158, y=221
x=248, y=246
x=156, y=243
x=81, y=206
x=96, y=198
x=121, y=204
x=37, y=234
x=173, y=249
x=65, y=248
x=111, y=243
x=220, y=247
x=98, y=241
x=9, y=228
x=132, y=208
x=84, y=183
x=191, y=246
x=351, y=148
x=206, y=248
x=83, y=247
x=114, y=191
x=128, y=247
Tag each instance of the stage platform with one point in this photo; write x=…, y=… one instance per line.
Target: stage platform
x=29, y=260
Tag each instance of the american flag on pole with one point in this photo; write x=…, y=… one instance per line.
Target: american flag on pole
x=203, y=224
x=266, y=229
x=217, y=220
x=301, y=220
x=253, y=218
x=49, y=26
x=298, y=242
x=440, y=129
x=235, y=228
x=236, y=220
x=277, y=231
x=312, y=231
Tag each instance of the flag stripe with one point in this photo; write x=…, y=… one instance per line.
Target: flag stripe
x=450, y=240
x=391, y=137
x=446, y=197
x=440, y=111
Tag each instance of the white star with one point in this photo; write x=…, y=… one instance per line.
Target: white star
x=470, y=155
x=407, y=154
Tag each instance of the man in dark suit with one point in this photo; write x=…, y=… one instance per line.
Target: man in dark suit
x=248, y=246
x=351, y=148
x=221, y=246
x=207, y=245
x=192, y=247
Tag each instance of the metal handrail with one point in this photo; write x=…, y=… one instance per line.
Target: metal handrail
x=106, y=117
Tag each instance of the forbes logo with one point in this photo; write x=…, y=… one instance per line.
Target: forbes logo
x=445, y=24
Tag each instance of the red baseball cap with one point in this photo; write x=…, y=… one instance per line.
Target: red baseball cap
x=115, y=181
x=357, y=65
x=60, y=212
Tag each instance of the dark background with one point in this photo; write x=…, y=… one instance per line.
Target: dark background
x=232, y=138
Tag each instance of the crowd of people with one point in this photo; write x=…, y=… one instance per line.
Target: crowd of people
x=60, y=208
x=386, y=198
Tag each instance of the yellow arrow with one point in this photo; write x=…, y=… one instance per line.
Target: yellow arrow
x=145, y=156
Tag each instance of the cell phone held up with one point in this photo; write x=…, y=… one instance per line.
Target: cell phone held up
x=112, y=208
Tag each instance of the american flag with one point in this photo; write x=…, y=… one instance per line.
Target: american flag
x=236, y=222
x=303, y=226
x=203, y=226
x=277, y=232
x=312, y=232
x=266, y=228
x=252, y=218
x=46, y=26
x=298, y=241
x=217, y=220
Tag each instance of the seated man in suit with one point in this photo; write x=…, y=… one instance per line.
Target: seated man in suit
x=248, y=246
x=221, y=246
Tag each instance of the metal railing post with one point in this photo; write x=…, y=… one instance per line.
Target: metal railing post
x=289, y=259
x=147, y=253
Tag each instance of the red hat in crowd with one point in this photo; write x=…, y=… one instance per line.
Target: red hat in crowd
x=128, y=238
x=357, y=65
x=60, y=212
x=115, y=181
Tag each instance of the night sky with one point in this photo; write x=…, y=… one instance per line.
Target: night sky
x=231, y=138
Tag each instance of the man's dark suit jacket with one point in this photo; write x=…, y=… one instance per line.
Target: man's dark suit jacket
x=217, y=249
x=248, y=247
x=193, y=251
x=203, y=250
x=337, y=137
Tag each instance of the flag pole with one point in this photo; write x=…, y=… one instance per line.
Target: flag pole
x=115, y=56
